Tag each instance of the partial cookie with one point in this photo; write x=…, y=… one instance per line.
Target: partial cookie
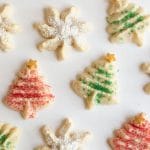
x=145, y=67
x=134, y=135
x=97, y=84
x=62, y=30
x=63, y=139
x=7, y=27
x=28, y=93
x=126, y=21
x=8, y=137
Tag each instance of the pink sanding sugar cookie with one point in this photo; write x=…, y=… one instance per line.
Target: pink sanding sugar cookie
x=134, y=135
x=28, y=93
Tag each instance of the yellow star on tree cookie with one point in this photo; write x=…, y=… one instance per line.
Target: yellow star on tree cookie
x=7, y=27
x=110, y=57
x=62, y=139
x=31, y=64
x=62, y=30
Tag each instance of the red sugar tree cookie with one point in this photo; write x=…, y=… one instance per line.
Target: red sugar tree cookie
x=28, y=93
x=134, y=135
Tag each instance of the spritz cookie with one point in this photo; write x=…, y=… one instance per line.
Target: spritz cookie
x=98, y=84
x=134, y=134
x=145, y=67
x=63, y=139
x=62, y=30
x=7, y=27
x=28, y=93
x=126, y=21
x=8, y=137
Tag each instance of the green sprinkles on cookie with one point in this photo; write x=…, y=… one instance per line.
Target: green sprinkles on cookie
x=97, y=84
x=126, y=21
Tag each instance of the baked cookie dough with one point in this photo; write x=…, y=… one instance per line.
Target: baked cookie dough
x=28, y=93
x=126, y=21
x=62, y=30
x=134, y=134
x=98, y=84
x=7, y=27
x=63, y=139
x=8, y=137
x=145, y=67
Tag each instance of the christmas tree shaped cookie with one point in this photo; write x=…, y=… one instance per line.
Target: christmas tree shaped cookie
x=8, y=137
x=62, y=30
x=134, y=135
x=126, y=21
x=28, y=93
x=63, y=139
x=7, y=27
x=97, y=84
x=145, y=67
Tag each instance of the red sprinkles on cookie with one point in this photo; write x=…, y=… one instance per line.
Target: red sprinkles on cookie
x=28, y=93
x=134, y=135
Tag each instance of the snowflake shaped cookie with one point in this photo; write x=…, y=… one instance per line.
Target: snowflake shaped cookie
x=7, y=27
x=145, y=67
x=62, y=139
x=62, y=30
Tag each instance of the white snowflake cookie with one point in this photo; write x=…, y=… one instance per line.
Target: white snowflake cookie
x=63, y=139
x=7, y=27
x=62, y=30
x=145, y=67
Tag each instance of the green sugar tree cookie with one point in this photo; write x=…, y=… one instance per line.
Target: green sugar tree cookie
x=126, y=21
x=8, y=137
x=97, y=84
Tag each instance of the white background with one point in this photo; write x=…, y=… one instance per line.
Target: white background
x=102, y=120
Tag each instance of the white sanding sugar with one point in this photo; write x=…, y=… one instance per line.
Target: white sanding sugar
x=64, y=143
x=65, y=30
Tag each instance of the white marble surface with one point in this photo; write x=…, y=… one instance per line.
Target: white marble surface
x=102, y=119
